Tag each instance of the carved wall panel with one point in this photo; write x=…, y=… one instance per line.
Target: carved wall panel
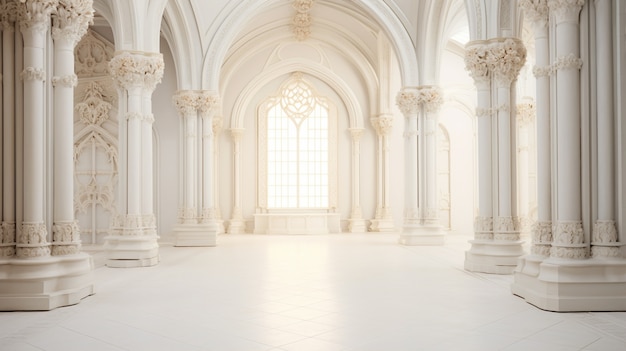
x=95, y=139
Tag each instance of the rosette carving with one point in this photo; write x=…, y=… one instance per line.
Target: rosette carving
x=383, y=125
x=32, y=242
x=476, y=63
x=186, y=102
x=136, y=70
x=506, y=59
x=207, y=103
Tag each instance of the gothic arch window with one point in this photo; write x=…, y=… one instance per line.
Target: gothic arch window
x=297, y=149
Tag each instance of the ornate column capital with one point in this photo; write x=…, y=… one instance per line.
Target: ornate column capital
x=382, y=124
x=208, y=102
x=408, y=100
x=566, y=10
x=506, y=58
x=186, y=102
x=476, y=62
x=237, y=134
x=35, y=14
x=8, y=15
x=71, y=20
x=535, y=11
x=431, y=98
x=356, y=134
x=134, y=69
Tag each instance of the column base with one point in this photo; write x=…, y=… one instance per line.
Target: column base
x=563, y=285
x=382, y=225
x=204, y=234
x=46, y=283
x=357, y=225
x=414, y=235
x=236, y=226
x=131, y=251
x=496, y=257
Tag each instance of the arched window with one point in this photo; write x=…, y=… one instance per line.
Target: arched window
x=297, y=149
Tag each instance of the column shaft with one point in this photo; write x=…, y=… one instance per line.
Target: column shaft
x=7, y=234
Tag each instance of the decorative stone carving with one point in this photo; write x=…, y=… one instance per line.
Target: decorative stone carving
x=8, y=15
x=35, y=14
x=506, y=59
x=187, y=215
x=69, y=81
x=525, y=113
x=65, y=238
x=476, y=62
x=186, y=102
x=94, y=109
x=301, y=23
x=408, y=101
x=535, y=11
x=137, y=70
x=542, y=71
x=127, y=225
x=506, y=228
x=33, y=73
x=71, y=20
x=31, y=242
x=382, y=125
x=483, y=228
x=567, y=62
x=431, y=98
x=569, y=241
x=604, y=232
x=7, y=239
x=208, y=102
x=92, y=56
x=541, y=238
x=566, y=10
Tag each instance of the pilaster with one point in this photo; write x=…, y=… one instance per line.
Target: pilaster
x=383, y=221
x=356, y=223
x=237, y=224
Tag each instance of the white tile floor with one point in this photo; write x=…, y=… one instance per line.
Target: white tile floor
x=356, y=292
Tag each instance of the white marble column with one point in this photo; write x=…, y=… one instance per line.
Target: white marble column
x=569, y=237
x=604, y=240
x=356, y=222
x=69, y=25
x=34, y=279
x=186, y=103
x=408, y=101
x=154, y=63
x=237, y=224
x=208, y=105
x=525, y=118
x=7, y=233
x=133, y=241
x=494, y=65
x=537, y=13
x=431, y=101
x=32, y=241
x=509, y=57
x=476, y=64
x=383, y=222
x=217, y=128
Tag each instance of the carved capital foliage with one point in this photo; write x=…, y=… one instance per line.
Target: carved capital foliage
x=506, y=58
x=71, y=20
x=208, y=102
x=383, y=125
x=186, y=102
x=35, y=14
x=65, y=238
x=137, y=70
x=8, y=15
x=535, y=11
x=476, y=62
x=431, y=98
x=566, y=10
x=408, y=101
